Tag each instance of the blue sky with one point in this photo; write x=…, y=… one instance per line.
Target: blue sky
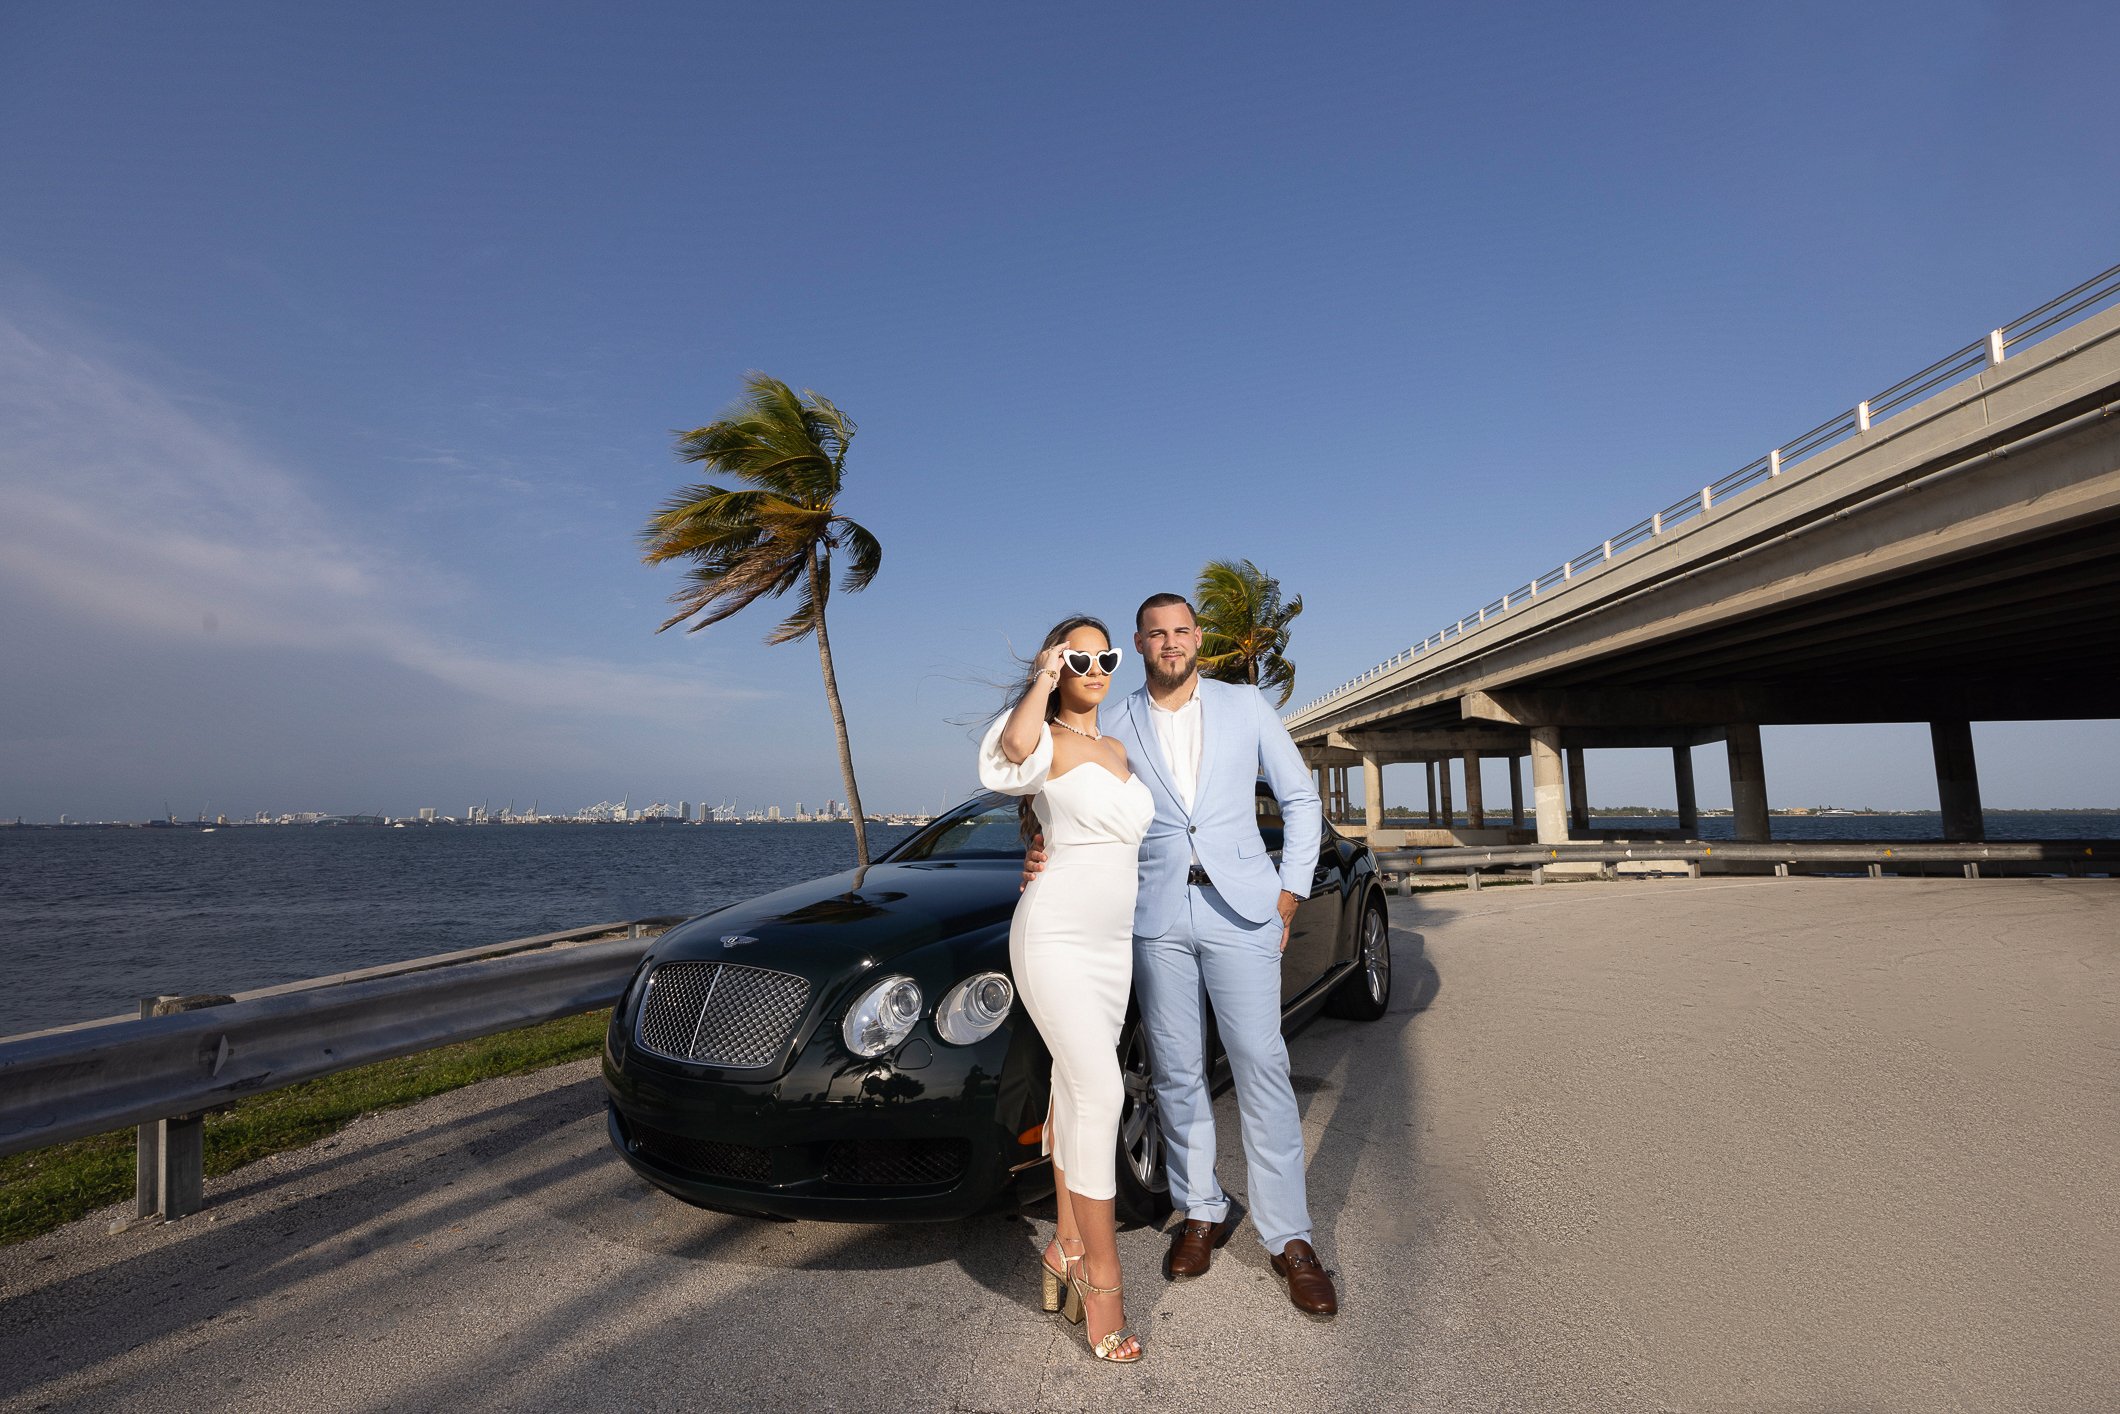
x=340, y=351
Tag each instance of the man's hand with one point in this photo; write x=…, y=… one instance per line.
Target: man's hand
x=1288, y=916
x=1033, y=860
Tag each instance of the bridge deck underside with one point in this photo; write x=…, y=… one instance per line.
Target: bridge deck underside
x=2033, y=632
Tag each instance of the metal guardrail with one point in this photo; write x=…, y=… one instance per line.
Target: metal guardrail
x=159, y=1072
x=1877, y=855
x=2087, y=298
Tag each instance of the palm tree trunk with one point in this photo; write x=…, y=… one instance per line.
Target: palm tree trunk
x=839, y=717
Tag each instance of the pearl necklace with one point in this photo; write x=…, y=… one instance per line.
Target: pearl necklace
x=1087, y=736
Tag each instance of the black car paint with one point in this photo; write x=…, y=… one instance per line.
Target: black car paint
x=937, y=922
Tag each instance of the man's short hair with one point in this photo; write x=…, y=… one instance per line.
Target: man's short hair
x=1161, y=601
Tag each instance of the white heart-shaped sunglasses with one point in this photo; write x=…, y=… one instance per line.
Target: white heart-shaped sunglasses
x=1076, y=661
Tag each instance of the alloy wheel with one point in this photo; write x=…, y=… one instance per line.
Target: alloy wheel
x=1140, y=1133
x=1376, y=956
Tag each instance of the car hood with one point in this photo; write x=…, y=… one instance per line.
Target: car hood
x=837, y=927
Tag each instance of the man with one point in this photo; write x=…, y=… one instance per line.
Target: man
x=1211, y=920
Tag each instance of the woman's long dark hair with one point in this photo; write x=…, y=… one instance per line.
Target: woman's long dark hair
x=1027, y=821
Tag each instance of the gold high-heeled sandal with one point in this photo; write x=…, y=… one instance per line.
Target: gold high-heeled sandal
x=1077, y=1288
x=1056, y=1282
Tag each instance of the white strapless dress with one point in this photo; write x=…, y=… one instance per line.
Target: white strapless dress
x=1070, y=944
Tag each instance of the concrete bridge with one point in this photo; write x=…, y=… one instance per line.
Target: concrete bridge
x=1947, y=551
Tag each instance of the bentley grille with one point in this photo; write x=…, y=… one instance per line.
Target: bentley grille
x=717, y=1013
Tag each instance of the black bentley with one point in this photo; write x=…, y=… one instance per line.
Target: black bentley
x=852, y=1048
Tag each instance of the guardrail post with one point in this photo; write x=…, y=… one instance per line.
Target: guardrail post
x=147, y=1154
x=1707, y=499
x=1781, y=871
x=1877, y=871
x=1693, y=869
x=169, y=1155
x=1608, y=549
x=1862, y=416
x=1472, y=879
x=1538, y=873
x=1972, y=870
x=1656, y=523
x=1994, y=347
x=1774, y=462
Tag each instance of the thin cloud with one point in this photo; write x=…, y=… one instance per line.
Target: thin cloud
x=123, y=502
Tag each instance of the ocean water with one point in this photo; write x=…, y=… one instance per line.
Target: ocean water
x=91, y=920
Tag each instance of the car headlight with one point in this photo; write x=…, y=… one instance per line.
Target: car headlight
x=882, y=1016
x=974, y=1007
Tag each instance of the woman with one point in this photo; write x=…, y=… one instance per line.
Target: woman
x=1071, y=948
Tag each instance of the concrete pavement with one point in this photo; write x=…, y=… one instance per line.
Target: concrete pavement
x=1653, y=1145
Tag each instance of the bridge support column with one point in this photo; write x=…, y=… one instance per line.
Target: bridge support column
x=1578, y=792
x=1549, y=801
x=1372, y=794
x=1442, y=775
x=1432, y=796
x=1516, y=792
x=1957, y=781
x=1748, y=783
x=1688, y=807
x=1475, y=788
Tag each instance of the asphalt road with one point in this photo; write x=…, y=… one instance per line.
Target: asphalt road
x=1656, y=1145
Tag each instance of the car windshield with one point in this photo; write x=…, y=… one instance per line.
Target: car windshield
x=986, y=828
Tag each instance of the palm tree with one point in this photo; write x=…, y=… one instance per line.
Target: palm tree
x=1244, y=626
x=775, y=535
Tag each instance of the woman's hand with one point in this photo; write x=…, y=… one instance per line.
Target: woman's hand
x=1020, y=737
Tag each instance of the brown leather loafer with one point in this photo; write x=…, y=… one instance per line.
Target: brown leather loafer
x=1309, y=1284
x=1193, y=1244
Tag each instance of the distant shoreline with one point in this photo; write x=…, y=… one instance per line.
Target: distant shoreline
x=420, y=824
x=1394, y=816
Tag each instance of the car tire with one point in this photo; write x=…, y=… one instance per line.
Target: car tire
x=1366, y=994
x=1144, y=1186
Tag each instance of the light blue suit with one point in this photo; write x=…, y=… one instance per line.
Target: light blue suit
x=1221, y=944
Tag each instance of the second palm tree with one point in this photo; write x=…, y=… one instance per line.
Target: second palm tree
x=1244, y=626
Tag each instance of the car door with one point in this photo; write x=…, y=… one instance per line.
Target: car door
x=1315, y=934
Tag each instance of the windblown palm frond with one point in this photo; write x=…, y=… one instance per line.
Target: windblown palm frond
x=774, y=534
x=1244, y=626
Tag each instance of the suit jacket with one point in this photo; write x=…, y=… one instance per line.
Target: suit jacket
x=1240, y=740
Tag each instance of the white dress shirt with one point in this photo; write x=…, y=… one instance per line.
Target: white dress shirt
x=1178, y=733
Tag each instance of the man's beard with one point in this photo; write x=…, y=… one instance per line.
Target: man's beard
x=1161, y=681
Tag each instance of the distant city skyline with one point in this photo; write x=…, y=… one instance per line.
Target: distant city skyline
x=331, y=406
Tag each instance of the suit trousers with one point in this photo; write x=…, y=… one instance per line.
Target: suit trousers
x=1214, y=954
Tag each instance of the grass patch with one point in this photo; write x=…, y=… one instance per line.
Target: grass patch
x=47, y=1188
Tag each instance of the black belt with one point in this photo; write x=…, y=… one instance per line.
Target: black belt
x=1197, y=875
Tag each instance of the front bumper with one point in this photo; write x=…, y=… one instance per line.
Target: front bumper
x=917, y=1136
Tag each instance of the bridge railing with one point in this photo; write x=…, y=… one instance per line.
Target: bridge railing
x=160, y=1072
x=2085, y=299
x=1876, y=856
